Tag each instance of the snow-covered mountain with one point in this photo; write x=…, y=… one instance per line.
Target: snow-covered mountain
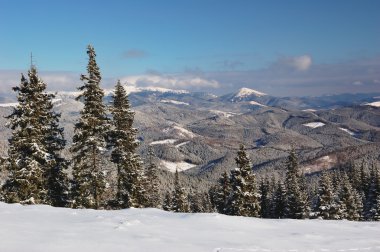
x=243, y=94
x=45, y=229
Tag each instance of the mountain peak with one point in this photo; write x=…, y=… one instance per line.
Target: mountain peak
x=244, y=92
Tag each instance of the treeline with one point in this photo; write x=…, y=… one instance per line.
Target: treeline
x=352, y=193
x=39, y=174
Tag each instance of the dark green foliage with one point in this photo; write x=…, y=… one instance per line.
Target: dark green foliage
x=152, y=187
x=371, y=211
x=34, y=164
x=327, y=205
x=297, y=206
x=265, y=200
x=89, y=141
x=348, y=203
x=279, y=201
x=131, y=181
x=221, y=193
x=244, y=199
x=179, y=201
x=167, y=204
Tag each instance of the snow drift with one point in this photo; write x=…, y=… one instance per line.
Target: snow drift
x=44, y=228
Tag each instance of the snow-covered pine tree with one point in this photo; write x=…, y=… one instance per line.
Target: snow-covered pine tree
x=327, y=206
x=221, y=193
x=348, y=206
x=56, y=180
x=167, y=204
x=28, y=156
x=131, y=184
x=179, y=201
x=371, y=204
x=297, y=206
x=244, y=198
x=152, y=188
x=279, y=201
x=89, y=140
x=265, y=200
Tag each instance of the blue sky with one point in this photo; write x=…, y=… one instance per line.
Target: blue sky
x=279, y=47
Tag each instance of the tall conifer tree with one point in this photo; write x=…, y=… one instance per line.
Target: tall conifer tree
x=131, y=184
x=296, y=197
x=244, y=199
x=34, y=164
x=89, y=141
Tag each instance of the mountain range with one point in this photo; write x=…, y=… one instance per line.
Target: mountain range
x=199, y=133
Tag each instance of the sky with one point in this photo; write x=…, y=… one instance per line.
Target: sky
x=283, y=48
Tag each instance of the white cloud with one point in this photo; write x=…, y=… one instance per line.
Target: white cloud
x=182, y=81
x=302, y=63
x=357, y=83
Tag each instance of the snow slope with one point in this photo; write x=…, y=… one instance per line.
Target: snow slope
x=244, y=92
x=314, y=125
x=373, y=104
x=47, y=229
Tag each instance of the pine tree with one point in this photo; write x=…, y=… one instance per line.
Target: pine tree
x=131, y=179
x=28, y=156
x=89, y=141
x=179, y=199
x=265, y=198
x=244, y=199
x=327, y=207
x=349, y=208
x=167, y=204
x=55, y=178
x=296, y=197
x=221, y=193
x=371, y=204
x=153, y=183
x=279, y=201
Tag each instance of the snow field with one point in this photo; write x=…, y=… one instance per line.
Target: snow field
x=45, y=229
x=314, y=125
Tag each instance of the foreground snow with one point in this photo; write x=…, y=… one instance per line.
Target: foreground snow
x=44, y=228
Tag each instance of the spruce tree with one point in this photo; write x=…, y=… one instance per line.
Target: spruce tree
x=89, y=140
x=279, y=201
x=296, y=196
x=327, y=207
x=221, y=193
x=371, y=204
x=153, y=182
x=349, y=208
x=131, y=185
x=55, y=178
x=244, y=198
x=265, y=198
x=28, y=155
x=167, y=204
x=179, y=201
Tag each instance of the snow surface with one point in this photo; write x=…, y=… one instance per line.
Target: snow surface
x=257, y=104
x=373, y=104
x=14, y=104
x=5, y=105
x=223, y=113
x=46, y=229
x=165, y=141
x=175, y=102
x=310, y=110
x=173, y=166
x=182, y=144
x=314, y=125
x=179, y=131
x=244, y=92
x=348, y=131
